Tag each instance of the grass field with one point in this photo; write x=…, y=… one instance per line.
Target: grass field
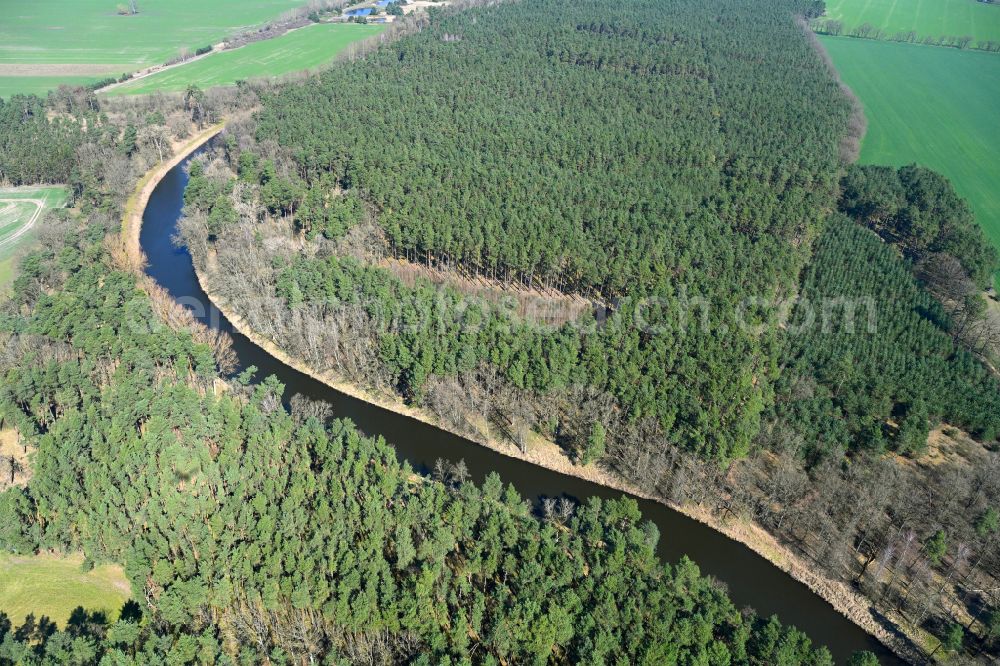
x=934, y=106
x=306, y=48
x=928, y=18
x=89, y=33
x=54, y=586
x=40, y=85
x=20, y=211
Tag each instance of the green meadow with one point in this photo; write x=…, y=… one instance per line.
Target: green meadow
x=53, y=586
x=20, y=212
x=88, y=38
x=40, y=85
x=91, y=31
x=932, y=18
x=935, y=106
x=303, y=49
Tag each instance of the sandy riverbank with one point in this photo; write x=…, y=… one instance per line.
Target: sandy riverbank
x=135, y=207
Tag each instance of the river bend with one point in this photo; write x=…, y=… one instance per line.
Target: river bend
x=751, y=579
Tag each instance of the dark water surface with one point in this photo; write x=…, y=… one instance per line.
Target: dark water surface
x=752, y=580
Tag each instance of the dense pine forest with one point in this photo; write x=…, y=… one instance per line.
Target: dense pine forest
x=668, y=161
x=733, y=318
x=674, y=167
x=252, y=534
x=32, y=149
x=582, y=144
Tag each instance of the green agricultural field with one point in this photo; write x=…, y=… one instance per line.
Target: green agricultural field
x=307, y=48
x=40, y=85
x=934, y=106
x=53, y=586
x=66, y=40
x=928, y=18
x=20, y=210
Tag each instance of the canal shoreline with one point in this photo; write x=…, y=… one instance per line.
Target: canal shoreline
x=545, y=454
x=135, y=207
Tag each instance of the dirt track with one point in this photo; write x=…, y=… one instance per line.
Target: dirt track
x=156, y=69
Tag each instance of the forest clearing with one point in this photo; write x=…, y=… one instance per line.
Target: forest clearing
x=20, y=210
x=52, y=586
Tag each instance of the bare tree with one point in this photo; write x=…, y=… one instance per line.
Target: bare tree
x=972, y=322
x=944, y=276
x=549, y=508
x=459, y=472
x=250, y=622
x=10, y=467
x=440, y=470
x=155, y=137
x=565, y=509
x=884, y=558
x=786, y=484
x=179, y=125
x=304, y=408
x=246, y=202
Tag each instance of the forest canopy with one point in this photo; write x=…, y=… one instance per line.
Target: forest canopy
x=252, y=533
x=918, y=210
x=658, y=170
x=849, y=387
x=678, y=169
x=628, y=157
